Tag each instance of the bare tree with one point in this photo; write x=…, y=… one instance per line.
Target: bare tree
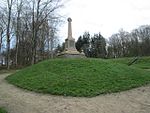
x=9, y=6
x=1, y=38
x=32, y=25
x=41, y=11
x=19, y=5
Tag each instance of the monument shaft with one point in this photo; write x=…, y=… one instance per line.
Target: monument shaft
x=69, y=29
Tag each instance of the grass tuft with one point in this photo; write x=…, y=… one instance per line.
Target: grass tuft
x=2, y=110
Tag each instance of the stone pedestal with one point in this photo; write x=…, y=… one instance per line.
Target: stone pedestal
x=70, y=44
x=70, y=50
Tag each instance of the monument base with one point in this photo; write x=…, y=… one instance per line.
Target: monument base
x=71, y=54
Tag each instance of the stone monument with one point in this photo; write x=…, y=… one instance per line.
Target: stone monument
x=70, y=49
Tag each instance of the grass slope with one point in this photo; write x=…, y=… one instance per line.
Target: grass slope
x=143, y=62
x=2, y=110
x=80, y=77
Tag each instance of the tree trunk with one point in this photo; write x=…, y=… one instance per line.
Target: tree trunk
x=17, y=42
x=8, y=38
x=1, y=37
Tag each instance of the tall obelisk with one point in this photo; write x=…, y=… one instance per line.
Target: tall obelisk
x=70, y=41
x=70, y=49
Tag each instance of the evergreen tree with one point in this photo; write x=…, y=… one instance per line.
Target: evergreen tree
x=60, y=48
x=83, y=43
x=79, y=44
x=98, y=46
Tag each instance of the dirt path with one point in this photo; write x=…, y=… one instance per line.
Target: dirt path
x=20, y=101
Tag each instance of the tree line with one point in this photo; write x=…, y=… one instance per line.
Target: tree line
x=121, y=44
x=28, y=30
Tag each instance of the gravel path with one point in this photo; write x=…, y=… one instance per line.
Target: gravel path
x=21, y=101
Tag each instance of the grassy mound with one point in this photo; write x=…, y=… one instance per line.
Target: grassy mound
x=79, y=77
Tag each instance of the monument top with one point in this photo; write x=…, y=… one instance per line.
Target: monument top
x=69, y=19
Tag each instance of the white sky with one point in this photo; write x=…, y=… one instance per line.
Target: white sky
x=105, y=16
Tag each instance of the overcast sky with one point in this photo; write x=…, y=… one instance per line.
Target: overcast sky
x=105, y=16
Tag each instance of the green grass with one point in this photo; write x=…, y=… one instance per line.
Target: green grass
x=143, y=62
x=80, y=77
x=2, y=110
